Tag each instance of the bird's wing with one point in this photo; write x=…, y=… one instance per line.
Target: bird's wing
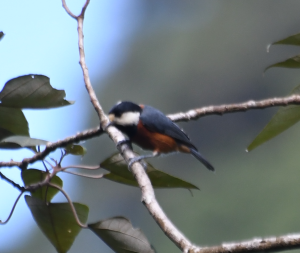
x=155, y=121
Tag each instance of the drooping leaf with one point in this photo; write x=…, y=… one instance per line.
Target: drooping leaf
x=281, y=121
x=24, y=141
x=292, y=63
x=32, y=91
x=57, y=221
x=33, y=176
x=291, y=40
x=120, y=236
x=75, y=149
x=119, y=173
x=12, y=122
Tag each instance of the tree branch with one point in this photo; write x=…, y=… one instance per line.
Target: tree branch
x=230, y=108
x=176, y=117
x=12, y=182
x=87, y=134
x=138, y=171
x=148, y=196
x=287, y=242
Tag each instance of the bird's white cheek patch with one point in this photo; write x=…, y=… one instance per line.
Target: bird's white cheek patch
x=128, y=118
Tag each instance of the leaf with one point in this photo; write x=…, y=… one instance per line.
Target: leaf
x=281, y=121
x=291, y=40
x=24, y=141
x=1, y=35
x=292, y=63
x=12, y=122
x=75, y=150
x=57, y=222
x=32, y=91
x=33, y=176
x=120, y=173
x=120, y=236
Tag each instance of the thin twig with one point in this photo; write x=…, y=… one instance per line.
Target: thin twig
x=22, y=189
x=12, y=210
x=70, y=203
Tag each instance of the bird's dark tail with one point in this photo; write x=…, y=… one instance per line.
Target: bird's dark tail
x=199, y=157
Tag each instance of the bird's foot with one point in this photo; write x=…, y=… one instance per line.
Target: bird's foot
x=137, y=159
x=120, y=143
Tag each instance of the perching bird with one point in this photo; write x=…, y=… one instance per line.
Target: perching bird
x=150, y=129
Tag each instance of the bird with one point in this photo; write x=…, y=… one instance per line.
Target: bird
x=151, y=130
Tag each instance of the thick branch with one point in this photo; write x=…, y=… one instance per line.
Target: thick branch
x=230, y=108
x=182, y=116
x=148, y=196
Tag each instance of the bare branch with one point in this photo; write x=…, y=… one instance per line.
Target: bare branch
x=12, y=210
x=22, y=189
x=148, y=196
x=71, y=14
x=68, y=10
x=71, y=205
x=230, y=108
x=287, y=242
x=87, y=134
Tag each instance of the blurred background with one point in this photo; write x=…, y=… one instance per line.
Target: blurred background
x=175, y=55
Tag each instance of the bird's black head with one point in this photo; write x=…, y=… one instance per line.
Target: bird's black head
x=124, y=107
x=125, y=116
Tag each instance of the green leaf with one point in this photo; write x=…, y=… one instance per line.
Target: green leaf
x=291, y=40
x=281, y=121
x=12, y=122
x=120, y=236
x=57, y=222
x=1, y=35
x=24, y=141
x=75, y=150
x=32, y=91
x=292, y=63
x=33, y=176
x=119, y=173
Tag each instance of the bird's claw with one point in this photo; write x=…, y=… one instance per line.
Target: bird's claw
x=120, y=143
x=137, y=159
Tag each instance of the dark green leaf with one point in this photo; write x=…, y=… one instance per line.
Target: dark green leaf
x=1, y=35
x=120, y=173
x=281, y=121
x=291, y=40
x=292, y=63
x=57, y=222
x=12, y=122
x=75, y=150
x=120, y=236
x=32, y=91
x=24, y=141
x=33, y=176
